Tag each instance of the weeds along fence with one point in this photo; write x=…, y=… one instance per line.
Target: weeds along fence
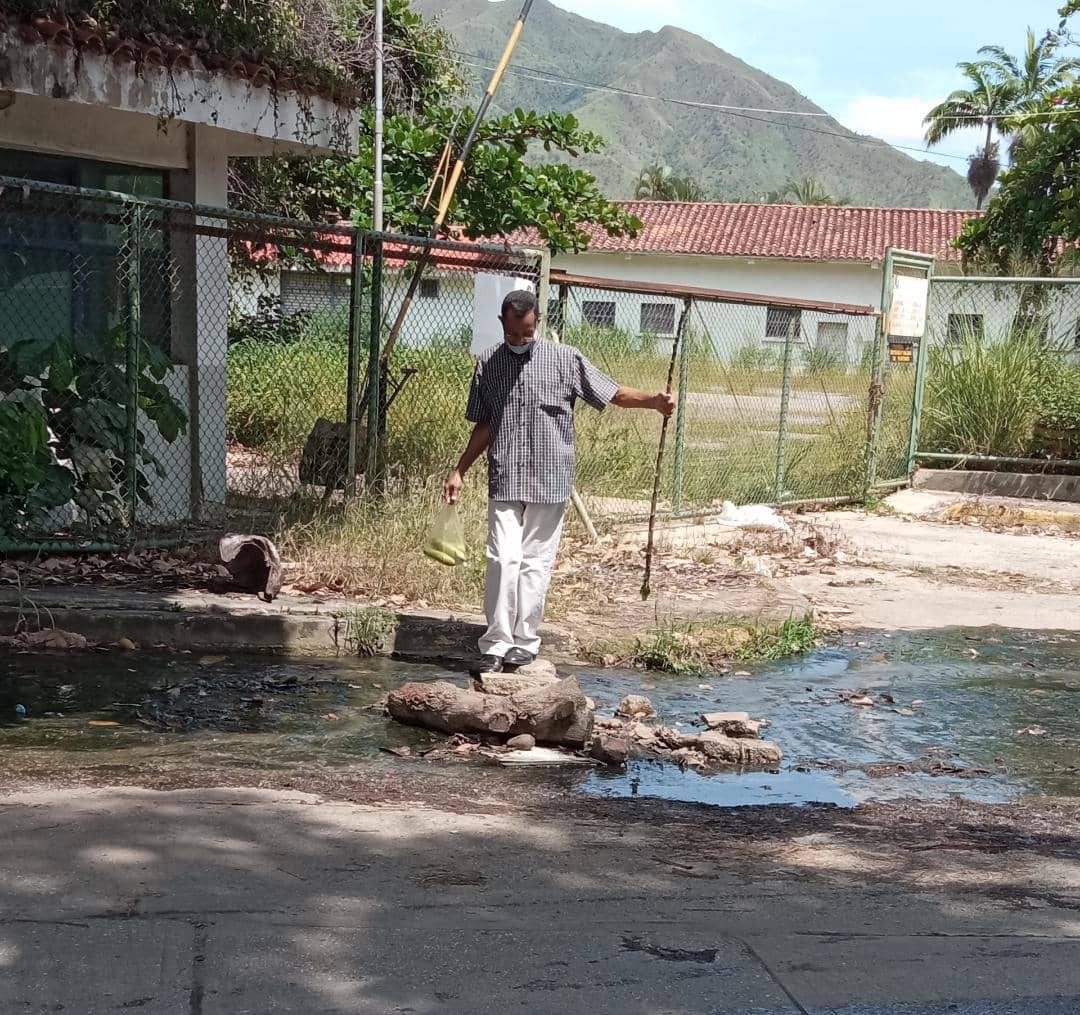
x=167, y=365
x=1000, y=384
x=773, y=396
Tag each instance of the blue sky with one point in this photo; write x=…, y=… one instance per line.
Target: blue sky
x=876, y=67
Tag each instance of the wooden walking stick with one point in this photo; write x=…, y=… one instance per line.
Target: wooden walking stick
x=680, y=332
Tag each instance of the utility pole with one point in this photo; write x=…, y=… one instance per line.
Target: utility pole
x=377, y=211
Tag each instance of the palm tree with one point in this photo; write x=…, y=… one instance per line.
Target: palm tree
x=989, y=99
x=1001, y=89
x=1038, y=73
x=659, y=183
x=653, y=183
x=805, y=191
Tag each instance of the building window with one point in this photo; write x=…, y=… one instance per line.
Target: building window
x=599, y=312
x=782, y=321
x=429, y=288
x=1035, y=325
x=963, y=328
x=66, y=264
x=658, y=318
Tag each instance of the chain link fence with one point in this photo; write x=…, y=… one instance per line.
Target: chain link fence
x=999, y=383
x=773, y=395
x=168, y=366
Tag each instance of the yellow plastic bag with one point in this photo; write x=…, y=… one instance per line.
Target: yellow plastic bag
x=446, y=540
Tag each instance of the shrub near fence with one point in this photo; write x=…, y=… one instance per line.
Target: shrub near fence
x=1002, y=377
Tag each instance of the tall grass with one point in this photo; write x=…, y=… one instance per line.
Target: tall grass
x=986, y=397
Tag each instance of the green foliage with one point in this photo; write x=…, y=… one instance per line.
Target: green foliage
x=1005, y=94
x=659, y=183
x=804, y=191
x=1036, y=212
x=320, y=44
x=502, y=190
x=756, y=358
x=986, y=397
x=819, y=359
x=692, y=648
x=65, y=424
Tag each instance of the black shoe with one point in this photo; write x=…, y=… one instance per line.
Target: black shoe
x=518, y=657
x=488, y=664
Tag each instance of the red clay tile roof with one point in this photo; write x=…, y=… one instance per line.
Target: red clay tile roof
x=799, y=232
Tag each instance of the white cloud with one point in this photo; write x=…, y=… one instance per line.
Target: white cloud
x=898, y=119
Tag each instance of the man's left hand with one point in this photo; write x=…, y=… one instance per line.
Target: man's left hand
x=664, y=403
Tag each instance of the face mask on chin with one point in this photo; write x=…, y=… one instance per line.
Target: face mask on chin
x=520, y=350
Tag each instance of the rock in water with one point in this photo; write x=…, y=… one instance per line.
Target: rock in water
x=610, y=749
x=635, y=706
x=542, y=670
x=725, y=750
x=522, y=742
x=733, y=724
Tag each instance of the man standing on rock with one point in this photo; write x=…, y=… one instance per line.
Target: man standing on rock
x=522, y=404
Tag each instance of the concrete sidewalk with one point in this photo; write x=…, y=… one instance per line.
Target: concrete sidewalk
x=210, y=622
x=210, y=902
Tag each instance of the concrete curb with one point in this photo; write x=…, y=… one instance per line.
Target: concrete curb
x=291, y=625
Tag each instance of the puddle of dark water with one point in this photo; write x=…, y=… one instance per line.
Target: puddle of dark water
x=969, y=696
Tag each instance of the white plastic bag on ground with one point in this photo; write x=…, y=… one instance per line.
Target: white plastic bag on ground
x=752, y=516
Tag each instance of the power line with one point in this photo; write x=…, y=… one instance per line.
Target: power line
x=741, y=112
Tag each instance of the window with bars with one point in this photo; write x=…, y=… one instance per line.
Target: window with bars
x=599, y=312
x=780, y=321
x=658, y=318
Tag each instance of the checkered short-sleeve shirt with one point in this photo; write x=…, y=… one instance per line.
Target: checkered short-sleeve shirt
x=528, y=400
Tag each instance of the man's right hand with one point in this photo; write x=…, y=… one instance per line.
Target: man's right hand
x=452, y=487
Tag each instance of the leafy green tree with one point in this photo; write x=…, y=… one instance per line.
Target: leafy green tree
x=1035, y=215
x=1039, y=72
x=503, y=188
x=1003, y=94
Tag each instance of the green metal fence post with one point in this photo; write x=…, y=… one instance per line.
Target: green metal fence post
x=920, y=377
x=372, y=468
x=356, y=338
x=876, y=394
x=132, y=337
x=785, y=399
x=680, y=415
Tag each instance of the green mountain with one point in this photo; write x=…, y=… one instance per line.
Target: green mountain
x=733, y=157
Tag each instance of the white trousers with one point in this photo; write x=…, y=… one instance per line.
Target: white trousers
x=522, y=542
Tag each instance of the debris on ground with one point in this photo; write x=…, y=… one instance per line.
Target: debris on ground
x=526, y=718
x=51, y=639
x=254, y=564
